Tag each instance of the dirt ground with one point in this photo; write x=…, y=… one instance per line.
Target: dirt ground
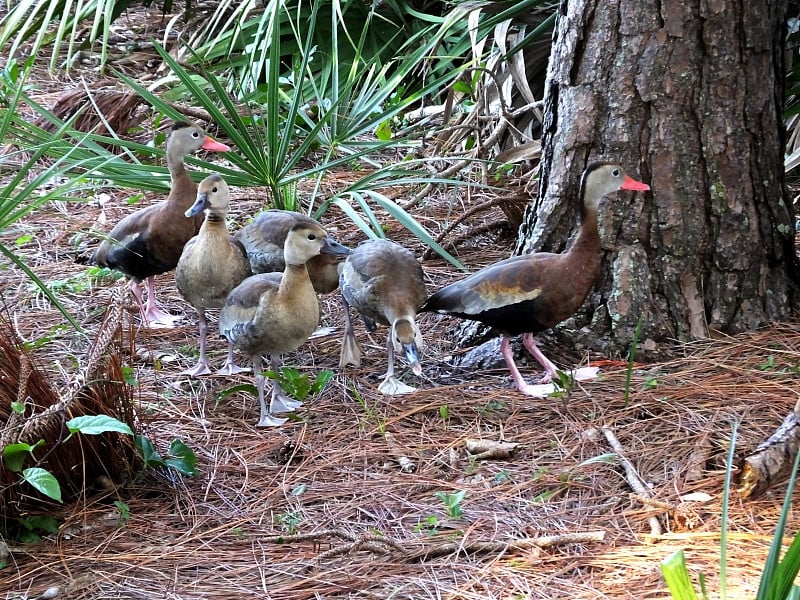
x=346, y=500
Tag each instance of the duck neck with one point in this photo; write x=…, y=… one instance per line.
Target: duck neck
x=294, y=276
x=584, y=253
x=213, y=217
x=175, y=163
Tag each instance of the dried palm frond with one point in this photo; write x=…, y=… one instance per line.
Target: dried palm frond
x=103, y=110
x=98, y=389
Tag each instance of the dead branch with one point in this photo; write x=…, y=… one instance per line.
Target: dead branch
x=773, y=459
x=483, y=547
x=631, y=476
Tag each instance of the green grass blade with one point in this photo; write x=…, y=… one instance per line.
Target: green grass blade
x=778, y=577
x=676, y=574
x=726, y=493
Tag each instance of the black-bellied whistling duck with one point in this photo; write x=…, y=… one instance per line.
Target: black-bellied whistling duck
x=264, y=236
x=211, y=265
x=273, y=313
x=149, y=241
x=533, y=292
x=385, y=284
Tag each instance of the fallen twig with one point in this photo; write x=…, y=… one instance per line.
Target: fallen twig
x=406, y=464
x=631, y=476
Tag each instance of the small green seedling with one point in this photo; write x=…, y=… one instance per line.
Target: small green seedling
x=123, y=513
x=429, y=525
x=299, y=385
x=289, y=523
x=452, y=503
x=563, y=382
x=650, y=383
x=370, y=413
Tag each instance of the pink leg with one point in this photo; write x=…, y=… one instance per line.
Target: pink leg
x=136, y=290
x=508, y=355
x=201, y=368
x=153, y=315
x=530, y=343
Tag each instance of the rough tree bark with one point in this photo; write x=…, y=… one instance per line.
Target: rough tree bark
x=686, y=96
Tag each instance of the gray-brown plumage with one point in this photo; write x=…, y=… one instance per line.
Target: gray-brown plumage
x=384, y=282
x=149, y=241
x=264, y=236
x=211, y=265
x=273, y=313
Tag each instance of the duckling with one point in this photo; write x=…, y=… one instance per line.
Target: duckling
x=263, y=239
x=273, y=313
x=384, y=282
x=530, y=293
x=211, y=265
x=149, y=241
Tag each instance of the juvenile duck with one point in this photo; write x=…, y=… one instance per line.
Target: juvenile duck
x=273, y=313
x=149, y=241
x=264, y=236
x=533, y=292
x=384, y=282
x=211, y=265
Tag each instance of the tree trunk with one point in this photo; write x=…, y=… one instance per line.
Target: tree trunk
x=687, y=99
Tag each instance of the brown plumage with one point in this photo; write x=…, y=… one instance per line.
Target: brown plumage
x=149, y=241
x=273, y=313
x=264, y=236
x=385, y=284
x=211, y=265
x=533, y=292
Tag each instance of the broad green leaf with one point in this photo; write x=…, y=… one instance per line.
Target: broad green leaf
x=384, y=131
x=43, y=481
x=148, y=452
x=181, y=458
x=14, y=455
x=97, y=424
x=247, y=388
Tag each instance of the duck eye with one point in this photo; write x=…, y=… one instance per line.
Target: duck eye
x=214, y=189
x=195, y=134
x=615, y=173
x=312, y=236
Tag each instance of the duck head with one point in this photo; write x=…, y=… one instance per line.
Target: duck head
x=213, y=195
x=406, y=338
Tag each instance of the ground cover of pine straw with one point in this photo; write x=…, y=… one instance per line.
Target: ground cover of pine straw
x=326, y=506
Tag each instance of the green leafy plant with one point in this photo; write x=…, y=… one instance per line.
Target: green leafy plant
x=563, y=384
x=123, y=512
x=289, y=522
x=769, y=364
x=632, y=359
x=429, y=525
x=31, y=528
x=650, y=383
x=452, y=503
x=180, y=457
x=42, y=480
x=33, y=183
x=299, y=385
x=777, y=579
x=370, y=413
x=492, y=406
